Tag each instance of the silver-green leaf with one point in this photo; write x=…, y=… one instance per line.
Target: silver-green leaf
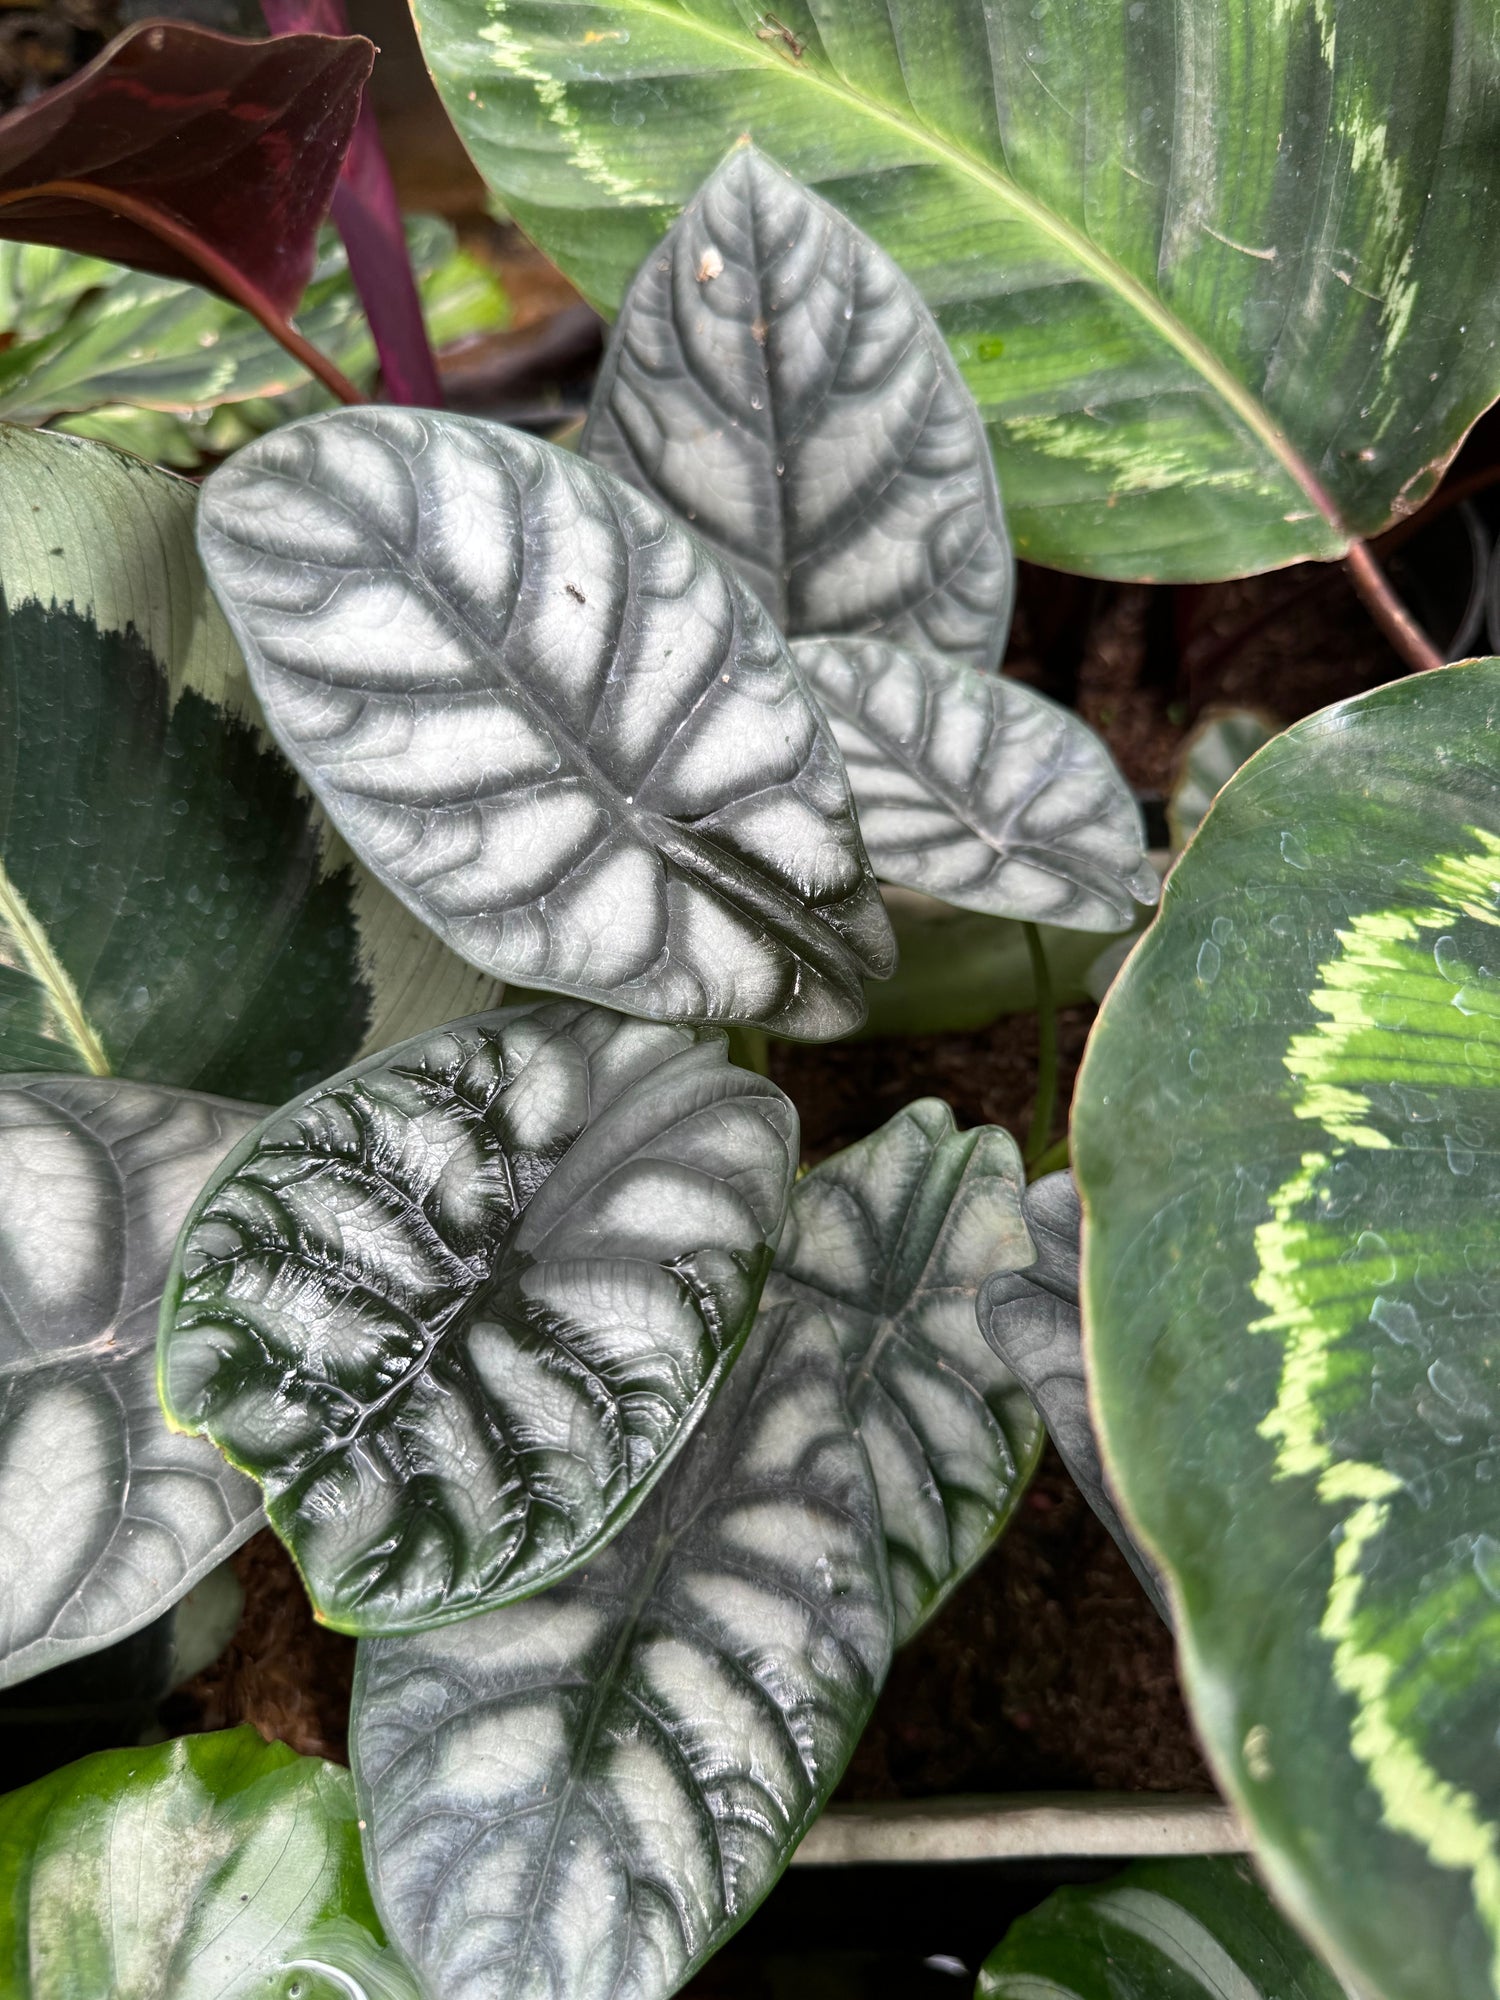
x=548, y=718
x=777, y=381
x=892, y=1239
x=580, y=1796
x=106, y=1518
x=457, y=1308
x=979, y=790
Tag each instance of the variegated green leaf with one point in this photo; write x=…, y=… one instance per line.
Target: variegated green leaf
x=557, y=725
x=458, y=1308
x=173, y=906
x=1287, y=1136
x=582, y=1795
x=1219, y=273
x=777, y=382
x=978, y=789
x=891, y=1239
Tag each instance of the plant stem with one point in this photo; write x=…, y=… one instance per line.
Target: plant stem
x=1390, y=614
x=1057, y=1155
x=1046, y=1069
x=217, y=269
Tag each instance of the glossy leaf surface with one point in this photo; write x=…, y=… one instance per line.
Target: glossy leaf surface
x=1208, y=760
x=555, y=724
x=236, y=144
x=105, y=1517
x=582, y=1795
x=891, y=1240
x=978, y=789
x=1285, y=1136
x=1031, y=1320
x=776, y=381
x=1162, y=1930
x=172, y=905
x=457, y=1308
x=1212, y=270
x=214, y=1868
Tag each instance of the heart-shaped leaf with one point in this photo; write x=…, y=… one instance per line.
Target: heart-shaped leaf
x=776, y=381
x=1162, y=1930
x=185, y=152
x=105, y=1517
x=891, y=1239
x=1286, y=1140
x=1215, y=271
x=584, y=1794
x=172, y=905
x=213, y=1868
x=555, y=724
x=1031, y=1320
x=979, y=790
x=457, y=1308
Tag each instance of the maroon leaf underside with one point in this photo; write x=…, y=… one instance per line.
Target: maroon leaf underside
x=236, y=144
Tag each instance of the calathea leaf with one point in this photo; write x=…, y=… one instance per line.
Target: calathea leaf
x=557, y=726
x=775, y=380
x=1031, y=1320
x=457, y=1308
x=105, y=1517
x=1162, y=1930
x=173, y=907
x=979, y=790
x=891, y=1240
x=581, y=1795
x=217, y=1867
x=1213, y=270
x=1286, y=1140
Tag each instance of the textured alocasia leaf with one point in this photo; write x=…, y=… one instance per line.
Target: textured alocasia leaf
x=891, y=1239
x=105, y=1517
x=457, y=1308
x=234, y=144
x=775, y=380
x=1213, y=270
x=555, y=724
x=172, y=905
x=1162, y=1930
x=581, y=1795
x=1030, y=1318
x=1286, y=1140
x=980, y=790
x=1208, y=760
x=213, y=1868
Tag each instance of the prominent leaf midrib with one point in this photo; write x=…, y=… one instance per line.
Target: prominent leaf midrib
x=50, y=974
x=1250, y=411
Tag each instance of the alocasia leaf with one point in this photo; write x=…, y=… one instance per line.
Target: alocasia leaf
x=217, y=1867
x=776, y=381
x=106, y=1518
x=553, y=722
x=457, y=1308
x=1288, y=1144
x=173, y=906
x=178, y=150
x=1219, y=273
x=891, y=1240
x=1031, y=1320
x=979, y=790
x=583, y=1794
x=1200, y=1929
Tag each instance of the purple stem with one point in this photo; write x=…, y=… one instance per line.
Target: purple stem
x=366, y=215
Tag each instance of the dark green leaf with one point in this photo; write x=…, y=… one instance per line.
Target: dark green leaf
x=1288, y=1144
x=891, y=1240
x=583, y=1795
x=1220, y=273
x=214, y=1868
x=1162, y=1930
x=457, y=1308
x=777, y=382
